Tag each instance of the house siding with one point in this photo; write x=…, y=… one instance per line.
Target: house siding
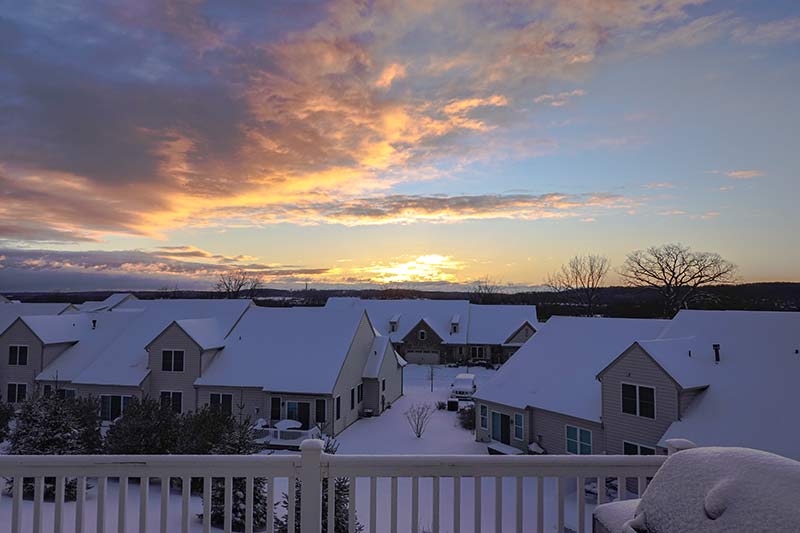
x=20, y=334
x=549, y=431
x=174, y=338
x=351, y=374
x=412, y=343
x=98, y=390
x=686, y=398
x=248, y=402
x=51, y=352
x=634, y=366
x=393, y=374
x=484, y=435
x=522, y=335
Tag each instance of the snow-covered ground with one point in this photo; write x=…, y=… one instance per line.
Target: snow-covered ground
x=386, y=434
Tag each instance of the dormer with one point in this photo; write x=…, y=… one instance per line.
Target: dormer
x=394, y=323
x=455, y=324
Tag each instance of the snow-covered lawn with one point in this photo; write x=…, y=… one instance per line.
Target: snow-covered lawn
x=386, y=434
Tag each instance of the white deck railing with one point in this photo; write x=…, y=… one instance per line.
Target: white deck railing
x=312, y=468
x=287, y=437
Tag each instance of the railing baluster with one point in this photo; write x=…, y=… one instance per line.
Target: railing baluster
x=123, y=503
x=38, y=496
x=519, y=504
x=373, y=504
x=186, y=487
x=602, y=495
x=456, y=504
x=164, y=504
x=415, y=505
x=207, y=504
x=540, y=504
x=249, y=494
x=102, y=484
x=351, y=506
x=229, y=506
x=498, y=504
x=58, y=518
x=270, y=503
x=436, y=504
x=622, y=489
x=393, y=516
x=580, y=496
x=560, y=492
x=290, y=519
x=477, y=506
x=331, y=504
x=144, y=502
x=642, y=485
x=80, y=503
x=16, y=504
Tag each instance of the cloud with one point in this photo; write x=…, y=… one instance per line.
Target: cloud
x=782, y=31
x=659, y=185
x=175, y=109
x=560, y=99
x=744, y=174
x=431, y=268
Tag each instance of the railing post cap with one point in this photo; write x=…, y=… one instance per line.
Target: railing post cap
x=677, y=445
x=312, y=445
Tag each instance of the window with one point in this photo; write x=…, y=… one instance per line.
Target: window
x=392, y=326
x=639, y=400
x=293, y=411
x=47, y=389
x=17, y=392
x=518, y=426
x=275, y=408
x=476, y=352
x=319, y=411
x=484, y=417
x=460, y=350
x=17, y=355
x=383, y=384
x=422, y=334
x=352, y=398
x=360, y=392
x=172, y=360
x=224, y=402
x=453, y=328
x=338, y=407
x=631, y=448
x=172, y=399
x=579, y=441
x=113, y=406
x=65, y=393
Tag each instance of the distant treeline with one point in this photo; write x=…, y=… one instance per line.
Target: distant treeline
x=613, y=301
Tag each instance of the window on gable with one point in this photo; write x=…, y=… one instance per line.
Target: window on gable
x=352, y=398
x=392, y=326
x=360, y=392
x=579, y=441
x=172, y=399
x=338, y=407
x=422, y=334
x=224, y=402
x=16, y=392
x=383, y=385
x=484, y=417
x=453, y=328
x=172, y=360
x=17, y=355
x=639, y=400
x=631, y=448
x=518, y=429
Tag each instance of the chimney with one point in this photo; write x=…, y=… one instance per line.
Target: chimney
x=716, y=352
x=94, y=324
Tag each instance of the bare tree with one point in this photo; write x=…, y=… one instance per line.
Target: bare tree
x=418, y=416
x=233, y=282
x=484, y=290
x=581, y=279
x=676, y=272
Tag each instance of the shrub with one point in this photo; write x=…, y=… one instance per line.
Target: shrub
x=418, y=416
x=441, y=406
x=466, y=417
x=147, y=427
x=6, y=416
x=203, y=431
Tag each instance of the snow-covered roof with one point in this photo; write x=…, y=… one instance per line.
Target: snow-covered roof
x=748, y=399
x=377, y=353
x=124, y=362
x=108, y=304
x=556, y=369
x=11, y=311
x=297, y=349
x=208, y=333
x=477, y=324
x=494, y=324
x=54, y=329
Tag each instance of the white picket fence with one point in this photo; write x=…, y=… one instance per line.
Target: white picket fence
x=312, y=468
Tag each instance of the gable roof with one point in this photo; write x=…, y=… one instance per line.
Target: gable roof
x=11, y=311
x=296, y=349
x=555, y=370
x=108, y=304
x=124, y=362
x=477, y=324
x=747, y=402
x=377, y=354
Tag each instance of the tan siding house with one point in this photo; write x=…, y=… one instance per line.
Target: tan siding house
x=12, y=373
x=174, y=359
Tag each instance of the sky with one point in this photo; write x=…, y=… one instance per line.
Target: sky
x=430, y=144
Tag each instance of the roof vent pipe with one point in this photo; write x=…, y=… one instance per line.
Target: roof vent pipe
x=716, y=352
x=94, y=324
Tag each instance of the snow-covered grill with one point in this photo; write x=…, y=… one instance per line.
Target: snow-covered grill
x=536, y=485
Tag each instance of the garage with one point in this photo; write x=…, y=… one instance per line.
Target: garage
x=417, y=357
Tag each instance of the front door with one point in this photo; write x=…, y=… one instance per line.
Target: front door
x=501, y=428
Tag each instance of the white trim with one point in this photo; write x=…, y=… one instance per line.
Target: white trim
x=578, y=429
x=521, y=438
x=637, y=385
x=481, y=417
x=422, y=334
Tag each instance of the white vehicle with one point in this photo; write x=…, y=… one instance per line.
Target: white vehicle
x=463, y=386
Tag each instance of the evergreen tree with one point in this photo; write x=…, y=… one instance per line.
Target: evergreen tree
x=341, y=487
x=201, y=432
x=48, y=425
x=6, y=415
x=147, y=427
x=238, y=441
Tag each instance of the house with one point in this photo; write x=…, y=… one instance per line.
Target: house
x=318, y=366
x=444, y=331
x=623, y=386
